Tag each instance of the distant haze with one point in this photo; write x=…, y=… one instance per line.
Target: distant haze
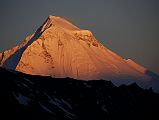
x=128, y=27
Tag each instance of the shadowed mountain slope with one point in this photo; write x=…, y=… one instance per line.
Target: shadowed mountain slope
x=30, y=97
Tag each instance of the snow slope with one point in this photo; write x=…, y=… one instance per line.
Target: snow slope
x=60, y=49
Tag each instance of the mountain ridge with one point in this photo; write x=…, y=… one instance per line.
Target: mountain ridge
x=39, y=97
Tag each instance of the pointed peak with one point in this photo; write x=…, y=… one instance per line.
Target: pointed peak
x=59, y=22
x=54, y=17
x=62, y=22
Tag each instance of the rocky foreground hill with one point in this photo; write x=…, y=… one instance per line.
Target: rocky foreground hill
x=28, y=97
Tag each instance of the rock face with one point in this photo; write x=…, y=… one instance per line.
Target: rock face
x=60, y=49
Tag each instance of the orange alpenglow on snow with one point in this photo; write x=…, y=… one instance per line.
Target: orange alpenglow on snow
x=60, y=49
x=136, y=66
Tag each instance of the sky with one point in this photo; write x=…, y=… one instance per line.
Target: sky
x=128, y=27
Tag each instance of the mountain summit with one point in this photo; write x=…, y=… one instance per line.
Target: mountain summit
x=60, y=49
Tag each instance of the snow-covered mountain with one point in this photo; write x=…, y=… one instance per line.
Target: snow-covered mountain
x=60, y=49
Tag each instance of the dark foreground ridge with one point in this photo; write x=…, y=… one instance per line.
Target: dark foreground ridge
x=26, y=97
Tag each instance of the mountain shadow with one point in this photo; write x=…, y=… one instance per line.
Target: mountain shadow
x=154, y=79
x=13, y=60
x=28, y=97
x=153, y=75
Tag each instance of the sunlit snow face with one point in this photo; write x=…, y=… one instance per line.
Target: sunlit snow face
x=60, y=49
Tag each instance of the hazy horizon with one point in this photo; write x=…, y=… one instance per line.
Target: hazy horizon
x=129, y=27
